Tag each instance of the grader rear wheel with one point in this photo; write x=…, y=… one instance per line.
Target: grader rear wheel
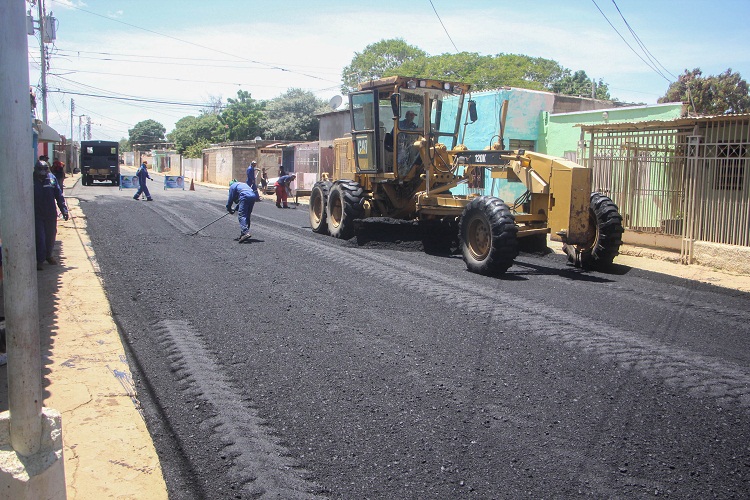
x=318, y=207
x=344, y=205
x=488, y=236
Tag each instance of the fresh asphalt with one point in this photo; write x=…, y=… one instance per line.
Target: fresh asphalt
x=298, y=365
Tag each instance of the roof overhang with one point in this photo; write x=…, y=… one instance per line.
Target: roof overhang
x=677, y=123
x=46, y=133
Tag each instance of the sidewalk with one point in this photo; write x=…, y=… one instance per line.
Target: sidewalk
x=107, y=448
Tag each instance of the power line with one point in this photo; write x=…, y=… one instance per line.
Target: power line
x=648, y=53
x=168, y=60
x=629, y=46
x=276, y=67
x=134, y=99
x=443, y=25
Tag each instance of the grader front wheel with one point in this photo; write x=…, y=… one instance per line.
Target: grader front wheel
x=607, y=235
x=344, y=205
x=488, y=236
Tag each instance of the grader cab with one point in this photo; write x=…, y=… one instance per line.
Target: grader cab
x=405, y=156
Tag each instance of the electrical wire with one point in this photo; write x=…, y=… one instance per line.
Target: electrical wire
x=647, y=63
x=272, y=66
x=648, y=53
x=444, y=28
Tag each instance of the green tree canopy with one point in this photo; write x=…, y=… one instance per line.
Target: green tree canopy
x=291, y=116
x=124, y=145
x=579, y=83
x=146, y=135
x=243, y=116
x=375, y=61
x=396, y=57
x=193, y=129
x=485, y=72
x=195, y=150
x=727, y=92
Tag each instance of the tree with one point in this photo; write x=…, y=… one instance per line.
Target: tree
x=242, y=116
x=396, y=57
x=191, y=130
x=375, y=61
x=124, y=145
x=291, y=116
x=712, y=95
x=195, y=150
x=146, y=135
x=580, y=84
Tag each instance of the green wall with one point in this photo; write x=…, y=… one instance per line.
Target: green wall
x=560, y=134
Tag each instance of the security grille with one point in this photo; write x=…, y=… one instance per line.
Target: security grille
x=688, y=178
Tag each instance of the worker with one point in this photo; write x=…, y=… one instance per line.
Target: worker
x=282, y=190
x=408, y=122
x=142, y=175
x=47, y=192
x=245, y=197
x=251, y=173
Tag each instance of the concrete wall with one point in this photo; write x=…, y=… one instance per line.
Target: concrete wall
x=192, y=168
x=732, y=258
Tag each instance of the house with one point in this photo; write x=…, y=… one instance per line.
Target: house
x=681, y=184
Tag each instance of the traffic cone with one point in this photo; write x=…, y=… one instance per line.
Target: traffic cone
x=192, y=186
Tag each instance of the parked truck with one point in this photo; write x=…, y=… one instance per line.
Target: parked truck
x=404, y=156
x=100, y=161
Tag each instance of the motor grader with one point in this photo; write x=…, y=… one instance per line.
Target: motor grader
x=404, y=167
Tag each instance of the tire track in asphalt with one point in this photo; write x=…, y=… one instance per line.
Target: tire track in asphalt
x=262, y=465
x=719, y=312
x=695, y=374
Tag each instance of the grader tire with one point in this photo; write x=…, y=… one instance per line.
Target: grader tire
x=488, y=236
x=344, y=206
x=319, y=207
x=608, y=225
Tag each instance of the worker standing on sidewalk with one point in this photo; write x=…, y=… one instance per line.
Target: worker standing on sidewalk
x=142, y=175
x=245, y=197
x=47, y=192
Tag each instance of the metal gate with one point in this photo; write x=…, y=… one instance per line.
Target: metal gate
x=688, y=177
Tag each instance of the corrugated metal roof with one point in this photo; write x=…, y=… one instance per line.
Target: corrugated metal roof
x=662, y=124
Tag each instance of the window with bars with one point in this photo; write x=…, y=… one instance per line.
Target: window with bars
x=730, y=167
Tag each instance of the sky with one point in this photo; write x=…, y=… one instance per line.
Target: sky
x=125, y=61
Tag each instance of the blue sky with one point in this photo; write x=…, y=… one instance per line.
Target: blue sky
x=191, y=52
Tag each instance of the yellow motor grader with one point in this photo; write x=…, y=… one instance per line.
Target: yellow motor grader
x=404, y=157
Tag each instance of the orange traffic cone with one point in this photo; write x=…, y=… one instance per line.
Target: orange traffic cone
x=192, y=186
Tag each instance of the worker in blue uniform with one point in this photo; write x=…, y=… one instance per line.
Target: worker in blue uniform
x=245, y=197
x=142, y=175
x=251, y=173
x=47, y=192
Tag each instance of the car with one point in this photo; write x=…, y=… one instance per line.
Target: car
x=271, y=186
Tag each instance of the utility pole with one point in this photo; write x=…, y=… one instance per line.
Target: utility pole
x=35, y=470
x=43, y=50
x=72, y=109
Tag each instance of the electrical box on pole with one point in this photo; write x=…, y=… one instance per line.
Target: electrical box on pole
x=50, y=29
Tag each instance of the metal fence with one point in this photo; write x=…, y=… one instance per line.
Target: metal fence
x=688, y=178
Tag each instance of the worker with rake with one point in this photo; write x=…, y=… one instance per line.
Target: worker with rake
x=244, y=196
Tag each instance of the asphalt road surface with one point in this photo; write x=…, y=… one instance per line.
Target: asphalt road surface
x=301, y=366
